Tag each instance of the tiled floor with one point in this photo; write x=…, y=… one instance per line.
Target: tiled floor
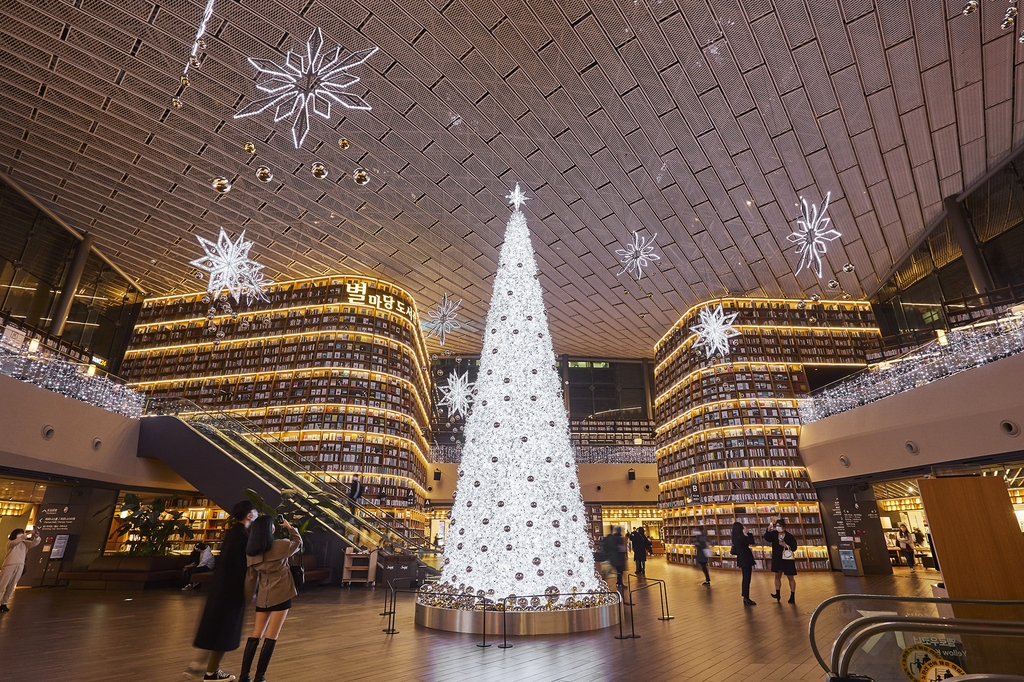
x=335, y=634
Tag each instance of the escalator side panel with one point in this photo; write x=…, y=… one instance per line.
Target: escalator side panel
x=204, y=465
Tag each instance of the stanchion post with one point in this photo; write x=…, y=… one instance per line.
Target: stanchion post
x=664, y=597
x=504, y=625
x=483, y=613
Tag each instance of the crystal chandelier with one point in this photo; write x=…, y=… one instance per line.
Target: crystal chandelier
x=1009, y=17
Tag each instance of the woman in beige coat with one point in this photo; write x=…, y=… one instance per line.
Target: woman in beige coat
x=268, y=582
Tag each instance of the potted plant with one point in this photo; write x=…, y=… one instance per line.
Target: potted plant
x=148, y=528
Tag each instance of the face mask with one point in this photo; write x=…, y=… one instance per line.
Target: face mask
x=779, y=530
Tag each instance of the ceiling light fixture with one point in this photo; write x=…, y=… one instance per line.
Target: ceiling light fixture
x=442, y=319
x=457, y=395
x=714, y=331
x=637, y=255
x=230, y=268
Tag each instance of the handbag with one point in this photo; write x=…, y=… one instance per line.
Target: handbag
x=787, y=554
x=298, y=575
x=708, y=552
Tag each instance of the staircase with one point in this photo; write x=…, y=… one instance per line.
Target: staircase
x=222, y=455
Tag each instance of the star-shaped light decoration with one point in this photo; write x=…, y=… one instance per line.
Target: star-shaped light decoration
x=442, y=319
x=714, y=331
x=517, y=197
x=307, y=83
x=230, y=268
x=812, y=234
x=637, y=256
x=457, y=396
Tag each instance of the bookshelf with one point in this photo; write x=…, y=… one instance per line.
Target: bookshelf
x=727, y=428
x=333, y=367
x=208, y=523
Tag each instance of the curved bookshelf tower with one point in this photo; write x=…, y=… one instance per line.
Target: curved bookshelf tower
x=335, y=367
x=727, y=427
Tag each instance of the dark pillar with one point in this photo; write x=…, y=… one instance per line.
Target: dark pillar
x=980, y=277
x=645, y=367
x=72, y=279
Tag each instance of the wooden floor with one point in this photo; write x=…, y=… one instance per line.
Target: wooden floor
x=334, y=634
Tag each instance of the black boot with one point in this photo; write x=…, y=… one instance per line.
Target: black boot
x=792, y=597
x=777, y=595
x=247, y=656
x=747, y=601
x=265, y=653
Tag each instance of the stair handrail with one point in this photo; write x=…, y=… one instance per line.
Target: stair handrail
x=875, y=625
x=315, y=477
x=819, y=609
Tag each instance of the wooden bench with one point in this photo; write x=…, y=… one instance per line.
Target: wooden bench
x=314, y=574
x=127, y=573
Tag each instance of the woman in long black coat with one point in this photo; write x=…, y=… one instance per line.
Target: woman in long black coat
x=220, y=629
x=641, y=546
x=741, y=543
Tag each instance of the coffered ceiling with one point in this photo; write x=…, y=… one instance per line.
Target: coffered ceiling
x=703, y=121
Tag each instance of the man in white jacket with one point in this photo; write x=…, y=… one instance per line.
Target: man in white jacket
x=14, y=563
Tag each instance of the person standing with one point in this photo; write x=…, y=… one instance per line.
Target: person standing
x=220, y=629
x=355, y=491
x=268, y=578
x=700, y=543
x=905, y=540
x=783, y=558
x=741, y=544
x=18, y=544
x=641, y=548
x=615, y=553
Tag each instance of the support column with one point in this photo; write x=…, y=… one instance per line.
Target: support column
x=72, y=279
x=980, y=277
x=645, y=367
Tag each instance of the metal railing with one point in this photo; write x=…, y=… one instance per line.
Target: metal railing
x=306, y=487
x=842, y=653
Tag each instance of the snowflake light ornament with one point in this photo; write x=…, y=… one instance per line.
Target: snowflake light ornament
x=812, y=234
x=457, y=396
x=714, y=331
x=517, y=197
x=230, y=268
x=442, y=319
x=637, y=256
x=307, y=83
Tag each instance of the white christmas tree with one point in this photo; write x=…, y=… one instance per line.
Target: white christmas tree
x=518, y=525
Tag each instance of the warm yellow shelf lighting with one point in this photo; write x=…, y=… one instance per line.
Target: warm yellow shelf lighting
x=366, y=337
x=295, y=435
x=675, y=482
x=694, y=435
x=385, y=479
x=247, y=412
x=789, y=302
x=794, y=367
x=731, y=404
x=288, y=374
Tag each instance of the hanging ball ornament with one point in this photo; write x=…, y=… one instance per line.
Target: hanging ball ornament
x=194, y=61
x=222, y=185
x=319, y=170
x=343, y=143
x=201, y=43
x=249, y=147
x=849, y=267
x=263, y=174
x=360, y=176
x=833, y=284
x=815, y=297
x=971, y=7
x=801, y=305
x=176, y=103
x=185, y=82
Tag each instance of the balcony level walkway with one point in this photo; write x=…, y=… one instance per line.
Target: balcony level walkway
x=334, y=634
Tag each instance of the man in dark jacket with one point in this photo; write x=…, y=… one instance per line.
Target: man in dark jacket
x=614, y=546
x=641, y=547
x=220, y=629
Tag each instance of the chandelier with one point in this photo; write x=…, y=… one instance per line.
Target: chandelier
x=1009, y=18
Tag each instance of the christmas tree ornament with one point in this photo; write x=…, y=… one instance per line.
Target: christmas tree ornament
x=360, y=176
x=263, y=174
x=343, y=143
x=318, y=170
x=249, y=147
x=222, y=185
x=457, y=395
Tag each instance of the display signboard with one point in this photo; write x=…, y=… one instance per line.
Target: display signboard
x=60, y=544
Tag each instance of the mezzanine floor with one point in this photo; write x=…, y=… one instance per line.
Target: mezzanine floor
x=334, y=634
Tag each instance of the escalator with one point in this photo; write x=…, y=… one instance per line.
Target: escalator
x=222, y=455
